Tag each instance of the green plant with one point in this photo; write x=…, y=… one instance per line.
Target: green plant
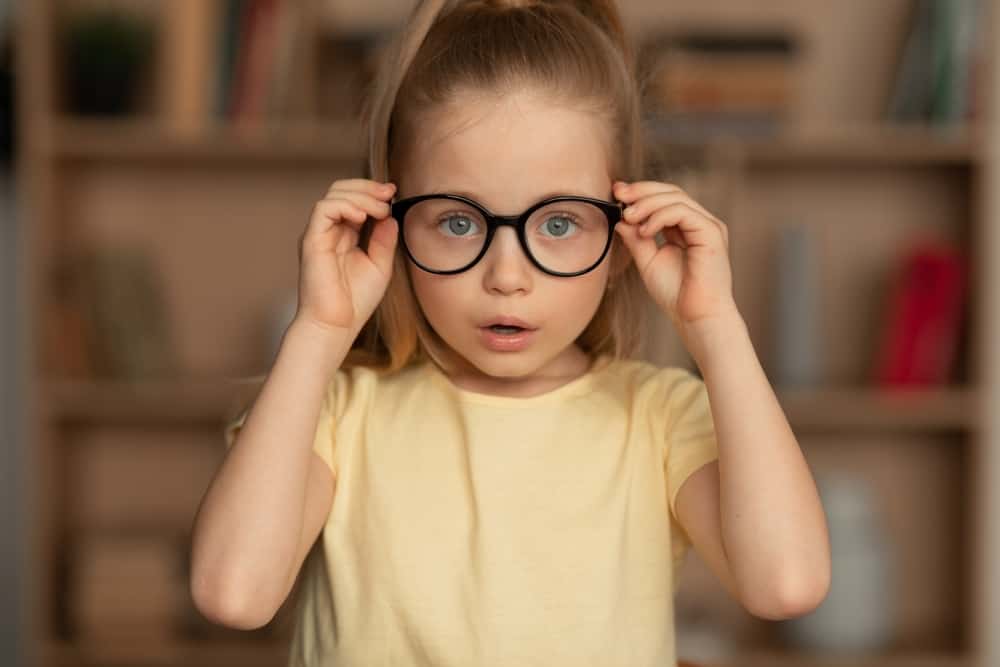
x=107, y=50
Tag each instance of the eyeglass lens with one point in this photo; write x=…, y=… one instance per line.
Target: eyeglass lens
x=564, y=236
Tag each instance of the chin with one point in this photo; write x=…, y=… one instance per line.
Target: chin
x=503, y=364
x=510, y=365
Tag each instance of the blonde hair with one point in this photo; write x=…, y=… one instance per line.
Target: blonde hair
x=576, y=51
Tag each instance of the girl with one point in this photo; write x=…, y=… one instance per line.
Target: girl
x=492, y=478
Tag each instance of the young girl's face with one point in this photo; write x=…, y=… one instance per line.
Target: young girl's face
x=508, y=154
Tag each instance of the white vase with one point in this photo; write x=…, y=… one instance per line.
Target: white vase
x=857, y=615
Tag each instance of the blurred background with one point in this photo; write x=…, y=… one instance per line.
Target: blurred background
x=168, y=153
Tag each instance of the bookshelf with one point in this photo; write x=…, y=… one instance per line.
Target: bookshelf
x=120, y=463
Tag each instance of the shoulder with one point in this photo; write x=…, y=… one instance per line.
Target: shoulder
x=358, y=385
x=649, y=381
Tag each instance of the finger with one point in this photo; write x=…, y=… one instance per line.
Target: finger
x=329, y=213
x=696, y=228
x=368, y=186
x=630, y=192
x=382, y=244
x=375, y=207
x=641, y=249
x=639, y=210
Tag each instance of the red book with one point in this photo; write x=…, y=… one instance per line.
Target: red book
x=241, y=68
x=923, y=317
x=261, y=54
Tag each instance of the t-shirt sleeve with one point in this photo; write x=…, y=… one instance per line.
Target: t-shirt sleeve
x=691, y=438
x=323, y=440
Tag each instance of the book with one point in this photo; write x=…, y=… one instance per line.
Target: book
x=938, y=74
x=190, y=27
x=923, y=315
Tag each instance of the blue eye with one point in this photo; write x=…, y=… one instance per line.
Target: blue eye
x=558, y=226
x=458, y=225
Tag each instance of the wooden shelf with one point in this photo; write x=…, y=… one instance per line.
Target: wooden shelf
x=189, y=401
x=109, y=140
x=338, y=141
x=862, y=408
x=208, y=400
x=187, y=653
x=274, y=653
x=884, y=145
x=226, y=202
x=777, y=659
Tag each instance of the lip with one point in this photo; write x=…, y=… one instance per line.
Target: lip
x=506, y=342
x=508, y=321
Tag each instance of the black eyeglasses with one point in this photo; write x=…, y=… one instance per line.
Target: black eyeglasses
x=562, y=236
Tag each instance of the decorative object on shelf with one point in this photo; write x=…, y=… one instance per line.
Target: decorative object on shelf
x=858, y=614
x=939, y=73
x=107, y=55
x=704, y=84
x=923, y=316
x=122, y=313
x=796, y=308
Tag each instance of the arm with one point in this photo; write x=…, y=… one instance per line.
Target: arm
x=267, y=502
x=754, y=516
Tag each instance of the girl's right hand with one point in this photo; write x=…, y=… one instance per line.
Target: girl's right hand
x=339, y=284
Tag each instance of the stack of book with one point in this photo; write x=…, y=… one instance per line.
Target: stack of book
x=699, y=85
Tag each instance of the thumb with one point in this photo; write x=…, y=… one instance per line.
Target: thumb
x=382, y=244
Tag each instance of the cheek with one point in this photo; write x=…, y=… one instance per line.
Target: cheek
x=436, y=295
x=581, y=299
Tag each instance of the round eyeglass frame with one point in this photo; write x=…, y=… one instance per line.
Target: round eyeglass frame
x=612, y=210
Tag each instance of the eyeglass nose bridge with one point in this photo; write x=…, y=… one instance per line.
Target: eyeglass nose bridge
x=517, y=222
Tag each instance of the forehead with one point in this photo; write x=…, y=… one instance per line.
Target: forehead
x=510, y=152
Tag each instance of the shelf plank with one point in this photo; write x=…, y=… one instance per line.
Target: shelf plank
x=883, y=145
x=792, y=659
x=187, y=653
x=210, y=400
x=81, y=139
x=273, y=653
x=867, y=408
x=151, y=401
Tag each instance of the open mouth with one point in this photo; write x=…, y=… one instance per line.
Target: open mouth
x=505, y=329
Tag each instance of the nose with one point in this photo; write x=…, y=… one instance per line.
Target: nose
x=508, y=270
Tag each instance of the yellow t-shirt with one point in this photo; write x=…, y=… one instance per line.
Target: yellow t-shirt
x=469, y=529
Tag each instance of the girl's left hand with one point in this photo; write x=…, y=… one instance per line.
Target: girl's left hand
x=689, y=277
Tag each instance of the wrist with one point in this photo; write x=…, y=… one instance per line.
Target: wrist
x=711, y=337
x=328, y=344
